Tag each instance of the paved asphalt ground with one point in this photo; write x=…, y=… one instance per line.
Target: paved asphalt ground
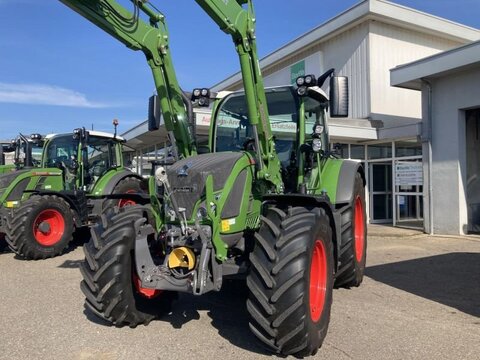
x=420, y=300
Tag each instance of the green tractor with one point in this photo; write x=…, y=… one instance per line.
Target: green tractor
x=5, y=149
x=80, y=174
x=24, y=152
x=268, y=202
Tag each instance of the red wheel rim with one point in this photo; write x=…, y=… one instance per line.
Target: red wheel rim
x=359, y=229
x=144, y=292
x=318, y=280
x=127, y=202
x=48, y=227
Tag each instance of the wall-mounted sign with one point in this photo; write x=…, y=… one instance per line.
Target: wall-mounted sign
x=408, y=173
x=297, y=70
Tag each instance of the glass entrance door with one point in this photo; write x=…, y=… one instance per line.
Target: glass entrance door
x=473, y=170
x=381, y=195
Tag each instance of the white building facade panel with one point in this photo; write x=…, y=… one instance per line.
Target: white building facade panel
x=391, y=46
x=348, y=54
x=452, y=95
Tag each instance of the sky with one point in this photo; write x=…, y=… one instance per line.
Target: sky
x=59, y=72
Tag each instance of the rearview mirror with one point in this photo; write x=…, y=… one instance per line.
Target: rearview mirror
x=338, y=96
x=154, y=113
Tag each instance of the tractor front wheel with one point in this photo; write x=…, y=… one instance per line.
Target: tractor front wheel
x=291, y=279
x=42, y=227
x=110, y=284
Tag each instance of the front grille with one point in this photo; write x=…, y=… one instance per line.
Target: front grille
x=187, y=177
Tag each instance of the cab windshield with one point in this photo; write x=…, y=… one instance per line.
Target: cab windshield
x=100, y=156
x=233, y=131
x=61, y=150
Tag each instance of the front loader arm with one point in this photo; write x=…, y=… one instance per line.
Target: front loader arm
x=152, y=39
x=238, y=22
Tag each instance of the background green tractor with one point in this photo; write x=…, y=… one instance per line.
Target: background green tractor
x=21, y=152
x=80, y=174
x=6, y=148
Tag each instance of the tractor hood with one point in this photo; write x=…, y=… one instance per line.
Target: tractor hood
x=187, y=177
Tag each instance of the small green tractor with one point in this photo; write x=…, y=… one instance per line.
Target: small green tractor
x=24, y=152
x=5, y=149
x=80, y=174
x=268, y=202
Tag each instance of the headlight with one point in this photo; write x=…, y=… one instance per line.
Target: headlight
x=160, y=176
x=302, y=91
x=317, y=145
x=310, y=80
x=300, y=81
x=318, y=129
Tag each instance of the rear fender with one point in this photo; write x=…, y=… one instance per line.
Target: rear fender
x=338, y=177
x=346, y=181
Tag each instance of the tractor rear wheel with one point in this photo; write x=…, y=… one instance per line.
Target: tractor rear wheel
x=42, y=227
x=353, y=251
x=291, y=279
x=129, y=185
x=110, y=284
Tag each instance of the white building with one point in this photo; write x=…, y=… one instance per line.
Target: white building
x=451, y=136
x=384, y=127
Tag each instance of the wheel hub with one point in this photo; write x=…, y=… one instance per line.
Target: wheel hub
x=48, y=227
x=44, y=227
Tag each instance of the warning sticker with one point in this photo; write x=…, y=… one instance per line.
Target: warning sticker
x=227, y=223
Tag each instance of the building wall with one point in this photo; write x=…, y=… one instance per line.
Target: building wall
x=391, y=46
x=313, y=65
x=366, y=53
x=451, y=96
x=348, y=54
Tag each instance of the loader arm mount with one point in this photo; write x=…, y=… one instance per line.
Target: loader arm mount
x=235, y=20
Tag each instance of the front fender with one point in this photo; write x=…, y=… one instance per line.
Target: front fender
x=107, y=183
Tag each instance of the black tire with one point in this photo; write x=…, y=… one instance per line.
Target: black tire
x=279, y=303
x=108, y=272
x=351, y=266
x=125, y=186
x=24, y=223
x=3, y=243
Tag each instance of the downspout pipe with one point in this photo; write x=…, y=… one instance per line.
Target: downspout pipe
x=429, y=139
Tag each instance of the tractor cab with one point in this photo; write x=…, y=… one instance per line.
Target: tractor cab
x=28, y=150
x=83, y=157
x=296, y=118
x=5, y=149
x=21, y=152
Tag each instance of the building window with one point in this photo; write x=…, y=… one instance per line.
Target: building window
x=341, y=150
x=407, y=148
x=380, y=151
x=357, y=152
